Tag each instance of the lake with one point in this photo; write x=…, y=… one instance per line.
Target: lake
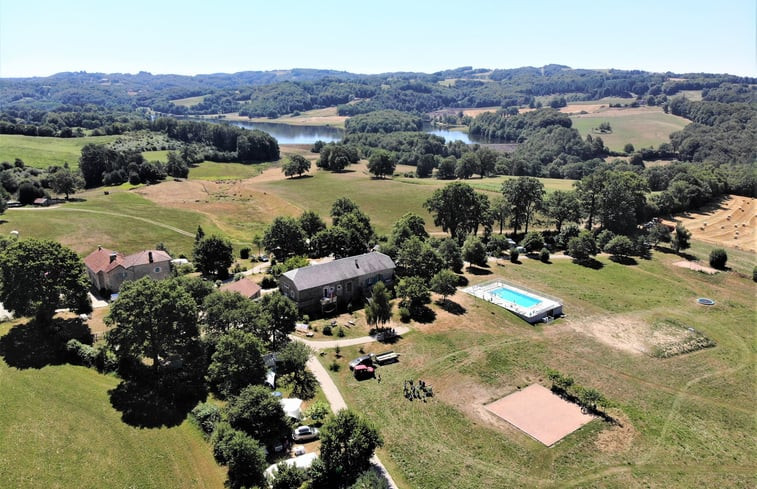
x=289, y=134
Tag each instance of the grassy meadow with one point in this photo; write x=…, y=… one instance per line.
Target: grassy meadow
x=189, y=101
x=59, y=430
x=643, y=127
x=684, y=421
x=42, y=152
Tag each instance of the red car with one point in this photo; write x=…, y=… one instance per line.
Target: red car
x=363, y=372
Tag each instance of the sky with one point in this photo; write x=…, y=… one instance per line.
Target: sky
x=43, y=37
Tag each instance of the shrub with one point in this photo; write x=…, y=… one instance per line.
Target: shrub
x=718, y=258
x=268, y=282
x=544, y=255
x=334, y=367
x=206, y=415
x=81, y=354
x=603, y=238
x=532, y=241
x=754, y=274
x=327, y=330
x=244, y=253
x=318, y=411
x=514, y=254
x=404, y=314
x=340, y=332
x=106, y=360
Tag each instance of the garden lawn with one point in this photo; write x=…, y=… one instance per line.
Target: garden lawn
x=59, y=430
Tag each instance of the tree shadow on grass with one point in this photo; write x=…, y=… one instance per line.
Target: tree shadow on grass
x=475, y=270
x=592, y=263
x=423, y=315
x=152, y=404
x=451, y=307
x=34, y=345
x=624, y=260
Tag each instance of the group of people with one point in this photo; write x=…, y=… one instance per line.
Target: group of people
x=419, y=390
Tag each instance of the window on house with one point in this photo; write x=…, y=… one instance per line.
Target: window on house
x=157, y=269
x=348, y=287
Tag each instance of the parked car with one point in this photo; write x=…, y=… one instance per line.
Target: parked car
x=361, y=360
x=305, y=433
x=364, y=372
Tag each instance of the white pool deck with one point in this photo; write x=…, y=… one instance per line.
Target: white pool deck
x=545, y=307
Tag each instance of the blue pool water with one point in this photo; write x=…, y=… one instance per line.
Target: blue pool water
x=510, y=295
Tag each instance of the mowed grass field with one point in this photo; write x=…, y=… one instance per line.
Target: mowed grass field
x=685, y=421
x=122, y=220
x=189, y=101
x=42, y=152
x=59, y=430
x=643, y=127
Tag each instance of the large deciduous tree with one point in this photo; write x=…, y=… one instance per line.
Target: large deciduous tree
x=474, y=251
x=347, y=445
x=258, y=413
x=65, y=182
x=378, y=312
x=39, y=276
x=416, y=258
x=243, y=455
x=563, y=207
x=444, y=283
x=236, y=363
x=295, y=165
x=213, y=256
x=681, y=239
x=525, y=195
x=156, y=320
x=382, y=163
x=454, y=207
x=311, y=223
x=284, y=238
x=279, y=317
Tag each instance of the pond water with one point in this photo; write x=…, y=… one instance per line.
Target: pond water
x=289, y=134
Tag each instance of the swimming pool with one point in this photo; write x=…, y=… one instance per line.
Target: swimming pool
x=516, y=297
x=529, y=305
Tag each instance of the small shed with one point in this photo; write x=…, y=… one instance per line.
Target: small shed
x=245, y=287
x=292, y=407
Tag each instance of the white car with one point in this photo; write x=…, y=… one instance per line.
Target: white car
x=305, y=433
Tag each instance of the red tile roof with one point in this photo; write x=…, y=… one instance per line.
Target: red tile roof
x=99, y=260
x=245, y=286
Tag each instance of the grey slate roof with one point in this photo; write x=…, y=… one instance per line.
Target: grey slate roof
x=343, y=269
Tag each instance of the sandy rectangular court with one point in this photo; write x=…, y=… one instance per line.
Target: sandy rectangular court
x=540, y=413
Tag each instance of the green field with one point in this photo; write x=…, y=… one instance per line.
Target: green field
x=59, y=430
x=41, y=152
x=121, y=220
x=641, y=127
x=212, y=171
x=189, y=101
x=686, y=421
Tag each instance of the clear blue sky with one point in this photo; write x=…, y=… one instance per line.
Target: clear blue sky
x=43, y=37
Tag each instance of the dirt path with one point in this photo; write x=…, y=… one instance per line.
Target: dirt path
x=319, y=345
x=337, y=403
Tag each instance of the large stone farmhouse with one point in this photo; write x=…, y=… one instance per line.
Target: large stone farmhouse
x=108, y=269
x=327, y=286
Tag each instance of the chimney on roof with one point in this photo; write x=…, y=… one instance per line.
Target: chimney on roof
x=112, y=257
x=149, y=256
x=356, y=264
x=99, y=248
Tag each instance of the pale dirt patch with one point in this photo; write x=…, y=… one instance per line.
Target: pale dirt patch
x=607, y=111
x=629, y=334
x=478, y=110
x=731, y=222
x=618, y=437
x=696, y=267
x=540, y=413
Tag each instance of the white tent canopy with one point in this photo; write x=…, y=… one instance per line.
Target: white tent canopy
x=303, y=462
x=292, y=407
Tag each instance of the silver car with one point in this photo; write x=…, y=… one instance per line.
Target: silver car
x=305, y=433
